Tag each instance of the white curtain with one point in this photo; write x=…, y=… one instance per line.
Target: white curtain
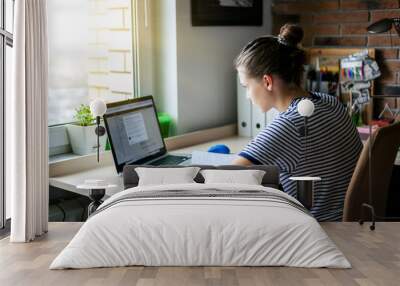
x=27, y=133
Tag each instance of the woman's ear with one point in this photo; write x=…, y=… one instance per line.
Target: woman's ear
x=267, y=81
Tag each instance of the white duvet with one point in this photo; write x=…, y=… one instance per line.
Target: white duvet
x=200, y=231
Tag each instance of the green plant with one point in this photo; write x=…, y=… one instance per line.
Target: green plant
x=83, y=116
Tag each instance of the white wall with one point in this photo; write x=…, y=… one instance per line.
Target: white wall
x=165, y=84
x=195, y=80
x=206, y=76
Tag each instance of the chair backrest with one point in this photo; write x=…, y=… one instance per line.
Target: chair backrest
x=385, y=145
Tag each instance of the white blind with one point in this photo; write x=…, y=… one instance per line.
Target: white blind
x=91, y=54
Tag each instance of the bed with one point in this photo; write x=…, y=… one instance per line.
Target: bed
x=198, y=224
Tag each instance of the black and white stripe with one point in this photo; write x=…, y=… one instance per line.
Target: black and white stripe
x=333, y=148
x=204, y=194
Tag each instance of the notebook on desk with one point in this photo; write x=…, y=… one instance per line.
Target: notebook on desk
x=135, y=136
x=208, y=158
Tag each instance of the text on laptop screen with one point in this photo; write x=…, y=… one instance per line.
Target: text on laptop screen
x=134, y=131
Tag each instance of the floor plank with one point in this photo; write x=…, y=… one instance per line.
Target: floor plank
x=375, y=257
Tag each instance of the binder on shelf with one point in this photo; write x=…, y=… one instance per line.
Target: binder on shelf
x=251, y=120
x=271, y=115
x=244, y=111
x=257, y=120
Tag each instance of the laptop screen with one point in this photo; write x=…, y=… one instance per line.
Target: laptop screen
x=133, y=131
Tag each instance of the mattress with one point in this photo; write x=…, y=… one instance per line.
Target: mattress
x=201, y=225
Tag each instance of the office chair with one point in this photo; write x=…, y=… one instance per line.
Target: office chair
x=385, y=145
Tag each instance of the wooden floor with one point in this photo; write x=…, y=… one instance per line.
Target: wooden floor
x=375, y=257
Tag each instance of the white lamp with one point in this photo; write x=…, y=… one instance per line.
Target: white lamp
x=98, y=108
x=305, y=184
x=305, y=108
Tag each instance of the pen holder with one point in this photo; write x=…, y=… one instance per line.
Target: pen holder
x=305, y=190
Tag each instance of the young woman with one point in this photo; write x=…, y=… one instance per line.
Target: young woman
x=271, y=68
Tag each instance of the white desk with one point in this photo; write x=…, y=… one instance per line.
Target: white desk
x=69, y=182
x=108, y=172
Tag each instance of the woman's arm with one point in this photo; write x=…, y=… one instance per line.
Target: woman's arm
x=241, y=161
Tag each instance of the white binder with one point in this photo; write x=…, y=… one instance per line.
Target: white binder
x=271, y=114
x=244, y=111
x=258, y=119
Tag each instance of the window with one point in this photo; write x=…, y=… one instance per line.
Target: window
x=90, y=54
x=6, y=42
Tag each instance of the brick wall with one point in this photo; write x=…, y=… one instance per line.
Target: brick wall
x=343, y=23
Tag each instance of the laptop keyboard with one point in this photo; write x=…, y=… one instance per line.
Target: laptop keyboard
x=170, y=160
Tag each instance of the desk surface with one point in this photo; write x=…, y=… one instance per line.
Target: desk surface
x=69, y=182
x=108, y=172
x=374, y=255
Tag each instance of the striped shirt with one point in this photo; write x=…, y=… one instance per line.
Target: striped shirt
x=333, y=147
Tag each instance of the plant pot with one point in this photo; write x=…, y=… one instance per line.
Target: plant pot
x=83, y=139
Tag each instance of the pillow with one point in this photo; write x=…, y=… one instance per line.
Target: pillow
x=163, y=176
x=248, y=177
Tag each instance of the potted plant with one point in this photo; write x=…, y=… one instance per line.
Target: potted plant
x=82, y=136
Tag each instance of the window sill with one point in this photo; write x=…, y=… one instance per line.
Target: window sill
x=64, y=164
x=63, y=157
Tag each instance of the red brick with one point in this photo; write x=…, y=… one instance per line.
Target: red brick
x=370, y=4
x=306, y=19
x=390, y=70
x=385, y=54
x=310, y=31
x=388, y=78
x=354, y=29
x=383, y=40
x=321, y=29
x=357, y=29
x=340, y=41
x=393, y=65
x=305, y=7
x=378, y=15
x=340, y=17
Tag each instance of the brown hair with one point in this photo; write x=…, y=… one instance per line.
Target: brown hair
x=275, y=55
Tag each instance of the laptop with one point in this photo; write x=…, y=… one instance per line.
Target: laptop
x=135, y=136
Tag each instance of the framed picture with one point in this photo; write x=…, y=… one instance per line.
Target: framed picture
x=227, y=12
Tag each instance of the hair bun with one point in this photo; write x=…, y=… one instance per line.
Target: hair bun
x=291, y=34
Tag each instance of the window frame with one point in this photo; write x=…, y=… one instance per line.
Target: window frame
x=6, y=39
